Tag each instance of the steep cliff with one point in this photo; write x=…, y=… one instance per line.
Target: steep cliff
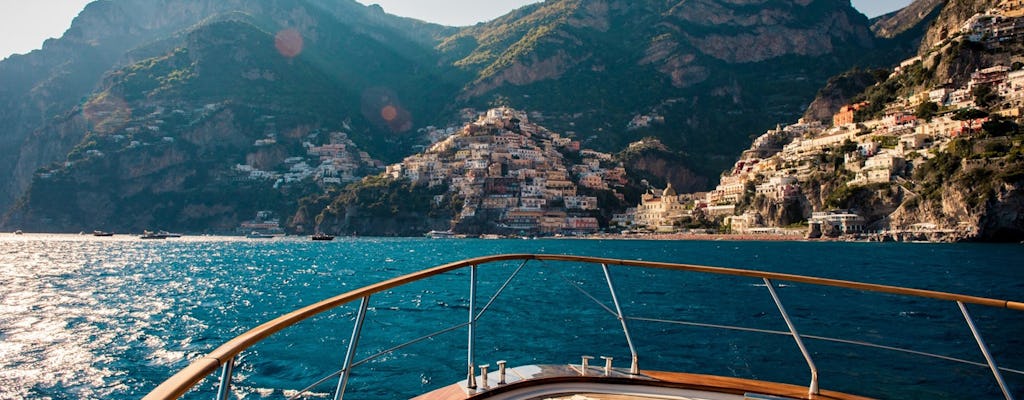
x=953, y=15
x=915, y=16
x=160, y=146
x=55, y=81
x=284, y=69
x=701, y=64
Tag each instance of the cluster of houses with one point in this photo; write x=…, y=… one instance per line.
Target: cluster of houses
x=514, y=175
x=337, y=162
x=879, y=149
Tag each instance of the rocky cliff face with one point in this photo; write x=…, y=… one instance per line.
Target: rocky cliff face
x=128, y=67
x=951, y=18
x=914, y=15
x=159, y=146
x=985, y=196
x=838, y=92
x=601, y=63
x=49, y=83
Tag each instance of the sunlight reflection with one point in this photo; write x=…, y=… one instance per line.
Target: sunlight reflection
x=288, y=42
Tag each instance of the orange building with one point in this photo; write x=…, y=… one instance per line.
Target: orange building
x=845, y=114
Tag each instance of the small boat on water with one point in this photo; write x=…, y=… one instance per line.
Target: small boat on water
x=259, y=235
x=579, y=376
x=320, y=236
x=18, y=232
x=148, y=235
x=440, y=234
x=102, y=233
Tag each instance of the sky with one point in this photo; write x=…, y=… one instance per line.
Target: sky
x=25, y=24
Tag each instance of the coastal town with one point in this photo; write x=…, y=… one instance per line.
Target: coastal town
x=518, y=175
x=502, y=174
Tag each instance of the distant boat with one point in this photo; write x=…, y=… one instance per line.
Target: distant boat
x=153, y=235
x=102, y=233
x=322, y=236
x=18, y=232
x=440, y=234
x=259, y=235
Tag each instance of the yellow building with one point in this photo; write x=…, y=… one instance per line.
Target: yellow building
x=655, y=211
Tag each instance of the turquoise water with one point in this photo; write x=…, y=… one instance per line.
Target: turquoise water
x=84, y=317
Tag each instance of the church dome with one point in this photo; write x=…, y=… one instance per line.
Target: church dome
x=669, y=191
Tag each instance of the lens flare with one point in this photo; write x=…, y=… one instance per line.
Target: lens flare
x=389, y=113
x=382, y=107
x=288, y=42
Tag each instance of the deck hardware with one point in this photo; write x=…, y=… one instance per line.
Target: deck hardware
x=633, y=367
x=813, y=388
x=225, y=379
x=470, y=356
x=471, y=379
x=350, y=355
x=501, y=372
x=585, y=364
x=984, y=351
x=607, y=365
x=483, y=377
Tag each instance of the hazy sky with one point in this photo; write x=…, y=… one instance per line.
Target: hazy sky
x=25, y=24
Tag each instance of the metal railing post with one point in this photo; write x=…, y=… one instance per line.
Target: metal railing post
x=984, y=350
x=634, y=368
x=225, y=379
x=470, y=346
x=350, y=354
x=813, y=388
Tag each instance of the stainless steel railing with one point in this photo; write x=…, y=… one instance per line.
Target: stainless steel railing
x=224, y=357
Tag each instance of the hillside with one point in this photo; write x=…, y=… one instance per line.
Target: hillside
x=601, y=64
x=500, y=174
x=930, y=151
x=165, y=139
x=41, y=90
x=197, y=93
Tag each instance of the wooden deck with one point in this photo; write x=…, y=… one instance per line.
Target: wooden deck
x=695, y=386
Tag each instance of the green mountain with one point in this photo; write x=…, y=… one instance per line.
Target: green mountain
x=142, y=113
x=714, y=70
x=158, y=145
x=931, y=150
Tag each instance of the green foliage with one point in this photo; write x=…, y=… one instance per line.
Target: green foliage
x=848, y=146
x=997, y=148
x=998, y=126
x=381, y=196
x=962, y=148
x=934, y=173
x=984, y=96
x=841, y=196
x=968, y=114
x=926, y=110
x=888, y=142
x=912, y=78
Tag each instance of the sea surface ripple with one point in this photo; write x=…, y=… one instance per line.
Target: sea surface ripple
x=110, y=318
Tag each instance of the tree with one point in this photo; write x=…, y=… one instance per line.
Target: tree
x=984, y=96
x=969, y=113
x=961, y=148
x=997, y=126
x=848, y=147
x=926, y=110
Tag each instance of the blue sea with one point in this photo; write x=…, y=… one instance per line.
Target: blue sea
x=111, y=318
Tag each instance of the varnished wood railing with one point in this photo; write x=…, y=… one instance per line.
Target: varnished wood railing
x=201, y=368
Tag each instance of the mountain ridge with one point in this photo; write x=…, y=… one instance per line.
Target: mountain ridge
x=586, y=68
